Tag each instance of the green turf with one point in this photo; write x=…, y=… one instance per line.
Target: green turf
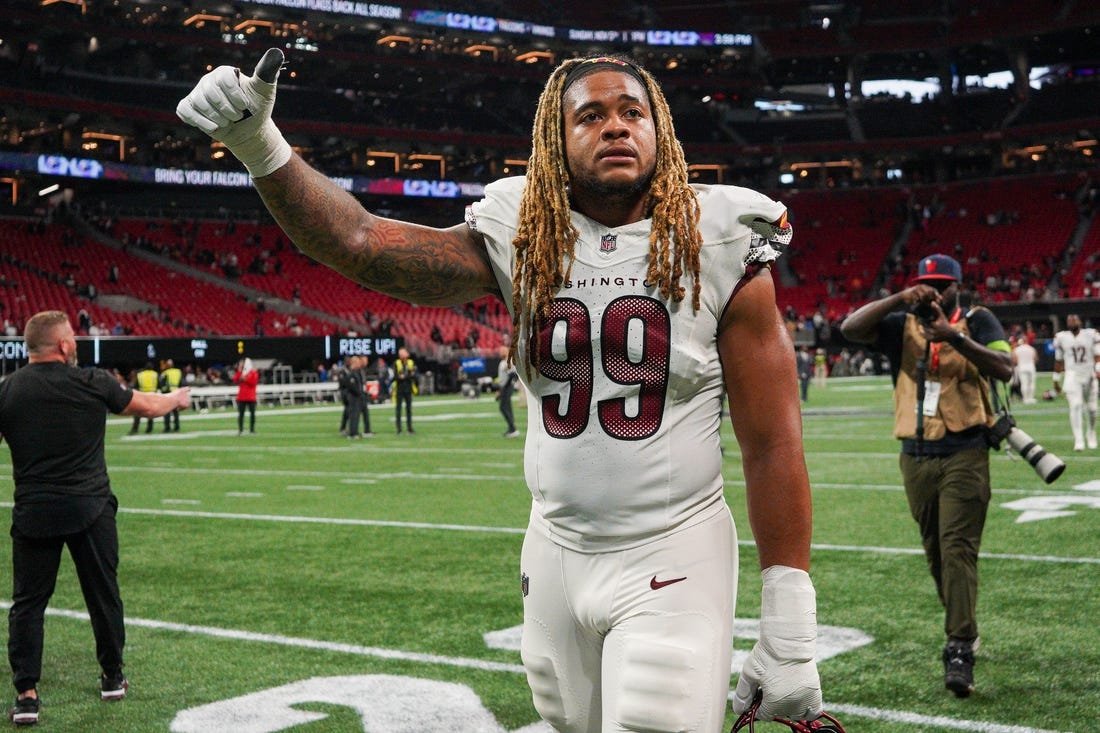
x=412, y=556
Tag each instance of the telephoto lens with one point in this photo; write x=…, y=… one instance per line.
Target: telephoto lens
x=1047, y=465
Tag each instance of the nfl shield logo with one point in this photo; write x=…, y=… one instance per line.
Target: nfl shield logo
x=524, y=584
x=607, y=242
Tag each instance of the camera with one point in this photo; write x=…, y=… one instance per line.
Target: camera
x=923, y=311
x=1047, y=465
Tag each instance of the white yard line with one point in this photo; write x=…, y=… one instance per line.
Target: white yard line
x=520, y=530
x=859, y=711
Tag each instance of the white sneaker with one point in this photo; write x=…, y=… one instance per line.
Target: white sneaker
x=1078, y=446
x=1090, y=440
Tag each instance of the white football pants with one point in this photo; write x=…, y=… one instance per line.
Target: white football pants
x=635, y=640
x=1081, y=392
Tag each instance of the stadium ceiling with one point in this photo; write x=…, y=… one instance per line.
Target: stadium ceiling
x=793, y=42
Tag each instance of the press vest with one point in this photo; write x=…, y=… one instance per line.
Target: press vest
x=171, y=378
x=964, y=394
x=147, y=380
x=402, y=367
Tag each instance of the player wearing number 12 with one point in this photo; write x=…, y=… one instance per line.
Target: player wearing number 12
x=1077, y=361
x=637, y=300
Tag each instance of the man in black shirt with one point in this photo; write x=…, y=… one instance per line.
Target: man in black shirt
x=53, y=416
x=356, y=397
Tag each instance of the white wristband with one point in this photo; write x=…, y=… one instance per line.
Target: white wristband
x=264, y=153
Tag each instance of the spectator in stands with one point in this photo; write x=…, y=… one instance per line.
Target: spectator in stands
x=247, y=378
x=606, y=190
x=939, y=353
x=145, y=380
x=53, y=416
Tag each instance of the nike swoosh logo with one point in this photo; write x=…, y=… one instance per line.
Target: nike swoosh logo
x=658, y=584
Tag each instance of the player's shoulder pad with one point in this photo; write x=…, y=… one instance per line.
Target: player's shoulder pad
x=740, y=201
x=734, y=207
x=734, y=213
x=499, y=204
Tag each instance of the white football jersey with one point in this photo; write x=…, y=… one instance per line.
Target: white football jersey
x=1026, y=357
x=624, y=413
x=1078, y=351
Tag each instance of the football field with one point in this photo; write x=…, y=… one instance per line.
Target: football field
x=293, y=580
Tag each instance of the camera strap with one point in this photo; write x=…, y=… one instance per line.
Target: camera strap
x=922, y=373
x=995, y=397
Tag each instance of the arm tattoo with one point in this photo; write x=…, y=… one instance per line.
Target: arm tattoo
x=414, y=263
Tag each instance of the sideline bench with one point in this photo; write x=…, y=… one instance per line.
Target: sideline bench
x=280, y=394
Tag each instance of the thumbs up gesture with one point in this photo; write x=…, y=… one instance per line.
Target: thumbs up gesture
x=235, y=109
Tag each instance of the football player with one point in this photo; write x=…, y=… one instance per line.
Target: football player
x=637, y=301
x=1076, y=364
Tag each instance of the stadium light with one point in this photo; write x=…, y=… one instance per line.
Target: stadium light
x=533, y=57
x=199, y=19
x=479, y=48
x=393, y=40
x=120, y=139
x=79, y=3
x=393, y=157
x=426, y=156
x=14, y=183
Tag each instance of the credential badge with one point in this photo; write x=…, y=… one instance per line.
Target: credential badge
x=608, y=242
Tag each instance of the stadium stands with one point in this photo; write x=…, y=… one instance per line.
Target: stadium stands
x=1004, y=198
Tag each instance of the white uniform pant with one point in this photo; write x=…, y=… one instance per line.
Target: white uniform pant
x=1027, y=384
x=1081, y=392
x=635, y=640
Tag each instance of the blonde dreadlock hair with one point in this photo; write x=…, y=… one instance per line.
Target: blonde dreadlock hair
x=545, y=236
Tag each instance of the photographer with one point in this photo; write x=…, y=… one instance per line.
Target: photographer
x=939, y=357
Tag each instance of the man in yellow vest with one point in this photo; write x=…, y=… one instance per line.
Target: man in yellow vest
x=940, y=358
x=145, y=380
x=170, y=380
x=404, y=387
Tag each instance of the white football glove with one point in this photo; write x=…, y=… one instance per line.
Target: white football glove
x=236, y=110
x=782, y=664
